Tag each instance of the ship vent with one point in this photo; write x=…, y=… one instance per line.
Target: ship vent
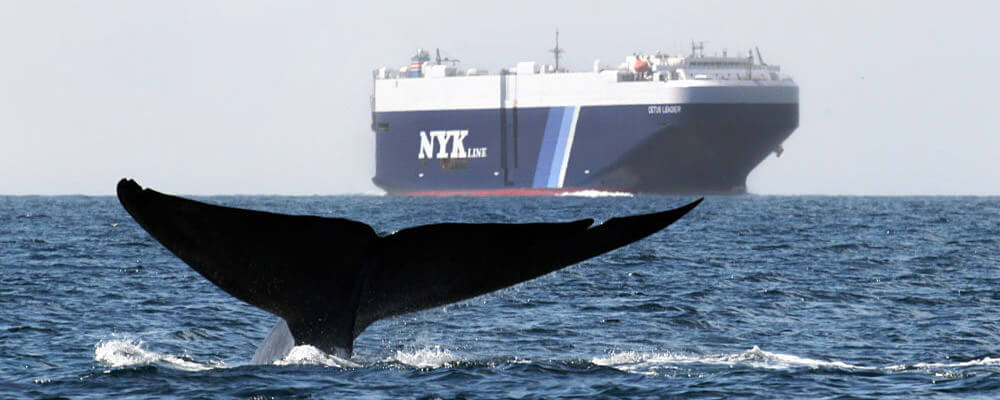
x=454, y=163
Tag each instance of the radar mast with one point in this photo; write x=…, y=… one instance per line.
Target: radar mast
x=557, y=50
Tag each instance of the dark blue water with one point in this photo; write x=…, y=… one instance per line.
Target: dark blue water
x=771, y=297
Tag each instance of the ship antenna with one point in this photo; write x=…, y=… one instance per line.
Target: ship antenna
x=758, y=56
x=557, y=51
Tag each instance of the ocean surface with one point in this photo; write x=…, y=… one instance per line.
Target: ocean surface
x=746, y=297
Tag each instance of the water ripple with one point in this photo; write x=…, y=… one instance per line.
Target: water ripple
x=749, y=296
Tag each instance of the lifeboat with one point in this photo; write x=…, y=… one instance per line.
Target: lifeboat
x=641, y=66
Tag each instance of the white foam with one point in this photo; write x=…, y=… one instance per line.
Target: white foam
x=621, y=358
x=596, y=193
x=651, y=363
x=126, y=353
x=309, y=355
x=648, y=363
x=427, y=357
x=758, y=358
x=630, y=361
x=987, y=361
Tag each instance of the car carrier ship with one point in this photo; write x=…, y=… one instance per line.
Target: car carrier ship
x=656, y=123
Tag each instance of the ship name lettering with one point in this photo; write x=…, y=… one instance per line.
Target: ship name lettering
x=457, y=149
x=664, y=109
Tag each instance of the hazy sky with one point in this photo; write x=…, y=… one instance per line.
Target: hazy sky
x=224, y=97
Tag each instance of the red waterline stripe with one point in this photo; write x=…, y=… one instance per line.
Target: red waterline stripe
x=498, y=192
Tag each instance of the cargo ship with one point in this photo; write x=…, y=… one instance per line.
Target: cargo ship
x=656, y=123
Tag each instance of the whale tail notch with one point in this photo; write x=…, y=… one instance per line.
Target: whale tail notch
x=329, y=278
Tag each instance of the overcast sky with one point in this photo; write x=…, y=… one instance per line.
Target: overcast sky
x=248, y=97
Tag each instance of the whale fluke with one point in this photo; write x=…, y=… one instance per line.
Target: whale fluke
x=330, y=278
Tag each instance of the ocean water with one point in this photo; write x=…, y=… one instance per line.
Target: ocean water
x=746, y=297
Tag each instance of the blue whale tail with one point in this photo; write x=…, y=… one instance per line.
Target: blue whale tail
x=330, y=278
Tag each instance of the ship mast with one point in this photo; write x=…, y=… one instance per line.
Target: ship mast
x=557, y=51
x=697, y=49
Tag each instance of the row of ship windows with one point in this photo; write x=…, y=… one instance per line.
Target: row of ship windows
x=718, y=64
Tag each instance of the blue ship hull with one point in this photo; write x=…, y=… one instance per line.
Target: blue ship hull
x=685, y=148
